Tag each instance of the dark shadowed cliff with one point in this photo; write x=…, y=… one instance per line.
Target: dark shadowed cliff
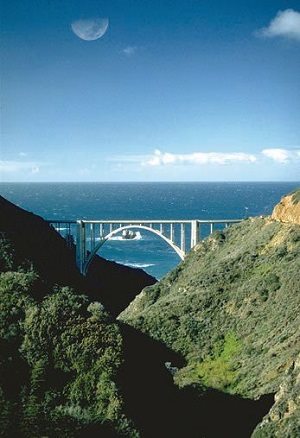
x=34, y=240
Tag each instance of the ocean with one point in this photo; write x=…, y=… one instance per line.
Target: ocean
x=122, y=201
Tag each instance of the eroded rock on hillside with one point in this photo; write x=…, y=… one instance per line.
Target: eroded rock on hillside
x=280, y=421
x=288, y=209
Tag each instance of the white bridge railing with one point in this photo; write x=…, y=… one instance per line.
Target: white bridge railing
x=90, y=235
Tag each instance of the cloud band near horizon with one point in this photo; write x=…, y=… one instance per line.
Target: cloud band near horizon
x=11, y=166
x=159, y=158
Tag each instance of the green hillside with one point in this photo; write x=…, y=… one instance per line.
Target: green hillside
x=59, y=359
x=232, y=309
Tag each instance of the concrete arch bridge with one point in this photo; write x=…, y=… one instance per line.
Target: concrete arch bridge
x=91, y=235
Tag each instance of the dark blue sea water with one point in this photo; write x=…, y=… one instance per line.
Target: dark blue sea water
x=107, y=201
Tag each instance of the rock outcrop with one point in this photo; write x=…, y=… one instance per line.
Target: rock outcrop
x=288, y=209
x=280, y=421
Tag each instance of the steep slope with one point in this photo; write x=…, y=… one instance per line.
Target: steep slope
x=115, y=285
x=232, y=309
x=34, y=240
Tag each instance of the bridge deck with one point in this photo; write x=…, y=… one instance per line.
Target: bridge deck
x=147, y=221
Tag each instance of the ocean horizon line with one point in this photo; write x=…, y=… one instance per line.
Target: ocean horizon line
x=154, y=182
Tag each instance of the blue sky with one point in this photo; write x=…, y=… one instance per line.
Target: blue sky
x=173, y=91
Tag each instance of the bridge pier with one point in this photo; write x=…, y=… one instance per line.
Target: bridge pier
x=195, y=228
x=182, y=237
x=172, y=237
x=80, y=245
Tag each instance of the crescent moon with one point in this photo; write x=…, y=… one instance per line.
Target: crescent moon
x=90, y=29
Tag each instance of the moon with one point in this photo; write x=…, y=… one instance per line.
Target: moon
x=90, y=29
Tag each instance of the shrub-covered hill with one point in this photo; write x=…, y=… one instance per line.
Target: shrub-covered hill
x=232, y=309
x=60, y=356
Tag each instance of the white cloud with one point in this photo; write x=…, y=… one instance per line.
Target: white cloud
x=129, y=50
x=19, y=166
x=282, y=155
x=159, y=158
x=22, y=154
x=198, y=158
x=285, y=24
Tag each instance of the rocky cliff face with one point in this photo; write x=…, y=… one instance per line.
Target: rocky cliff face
x=288, y=209
x=232, y=309
x=281, y=421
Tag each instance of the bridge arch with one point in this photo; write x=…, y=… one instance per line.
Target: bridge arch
x=92, y=254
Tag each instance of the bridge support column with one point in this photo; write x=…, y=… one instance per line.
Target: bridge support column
x=101, y=231
x=80, y=246
x=182, y=237
x=92, y=232
x=172, y=235
x=194, y=233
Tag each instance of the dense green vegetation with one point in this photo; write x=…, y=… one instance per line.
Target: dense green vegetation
x=59, y=359
x=216, y=370
x=232, y=309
